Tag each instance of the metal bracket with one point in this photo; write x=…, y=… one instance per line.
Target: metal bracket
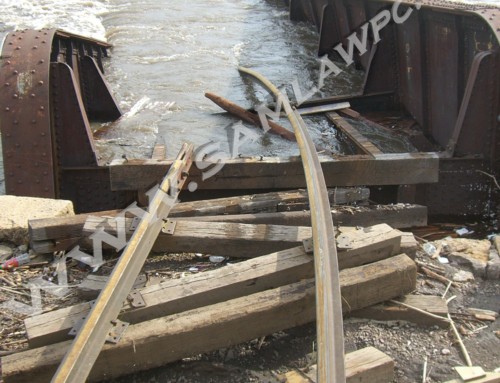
x=135, y=222
x=308, y=245
x=135, y=299
x=344, y=242
x=114, y=334
x=168, y=226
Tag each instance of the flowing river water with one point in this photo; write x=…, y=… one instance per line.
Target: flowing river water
x=167, y=53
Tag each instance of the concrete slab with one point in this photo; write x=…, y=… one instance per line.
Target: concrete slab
x=16, y=211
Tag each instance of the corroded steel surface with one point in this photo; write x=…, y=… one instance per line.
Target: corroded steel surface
x=52, y=87
x=25, y=121
x=430, y=64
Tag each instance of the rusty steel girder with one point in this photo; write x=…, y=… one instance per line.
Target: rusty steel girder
x=442, y=66
x=52, y=88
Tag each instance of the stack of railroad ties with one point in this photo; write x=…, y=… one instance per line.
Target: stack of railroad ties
x=271, y=290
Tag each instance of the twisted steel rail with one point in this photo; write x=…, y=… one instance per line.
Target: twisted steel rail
x=329, y=324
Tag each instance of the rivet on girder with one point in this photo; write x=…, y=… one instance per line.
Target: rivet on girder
x=44, y=154
x=8, y=134
x=15, y=72
x=42, y=108
x=32, y=95
x=20, y=37
x=15, y=122
x=45, y=173
x=40, y=82
x=43, y=41
x=10, y=42
x=36, y=164
x=18, y=48
x=33, y=121
x=19, y=181
x=7, y=109
x=37, y=181
x=7, y=84
x=33, y=71
x=15, y=95
x=35, y=47
x=46, y=189
x=8, y=62
x=41, y=61
x=17, y=145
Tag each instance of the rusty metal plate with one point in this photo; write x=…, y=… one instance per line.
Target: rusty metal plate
x=25, y=119
x=410, y=67
x=442, y=68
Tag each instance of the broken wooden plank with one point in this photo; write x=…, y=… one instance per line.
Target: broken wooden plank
x=389, y=312
x=350, y=131
x=265, y=202
x=286, y=173
x=323, y=108
x=250, y=117
x=219, y=325
x=366, y=365
x=399, y=216
x=231, y=281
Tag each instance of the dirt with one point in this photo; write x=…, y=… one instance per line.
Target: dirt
x=268, y=358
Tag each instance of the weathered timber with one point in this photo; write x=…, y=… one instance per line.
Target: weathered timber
x=193, y=291
x=399, y=216
x=323, y=108
x=62, y=227
x=220, y=325
x=350, y=131
x=221, y=238
x=58, y=230
x=431, y=304
x=250, y=117
x=265, y=202
x=286, y=173
x=159, y=152
x=366, y=365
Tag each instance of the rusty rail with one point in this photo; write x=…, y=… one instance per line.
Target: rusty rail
x=329, y=325
x=85, y=349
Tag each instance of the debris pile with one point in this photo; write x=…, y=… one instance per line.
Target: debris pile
x=214, y=283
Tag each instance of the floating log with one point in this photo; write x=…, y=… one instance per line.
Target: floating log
x=219, y=325
x=250, y=117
